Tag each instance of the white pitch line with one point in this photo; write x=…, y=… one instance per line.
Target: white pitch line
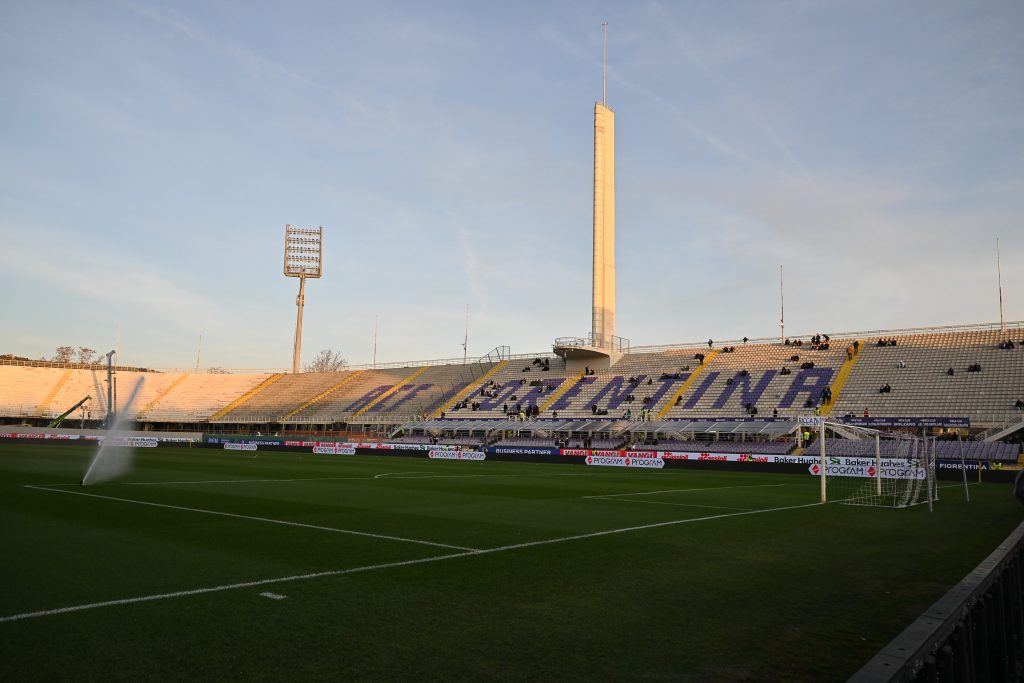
x=387, y=565
x=661, y=502
x=255, y=519
x=230, y=481
x=706, y=488
x=271, y=481
x=272, y=596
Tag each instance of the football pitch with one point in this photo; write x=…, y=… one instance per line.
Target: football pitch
x=209, y=564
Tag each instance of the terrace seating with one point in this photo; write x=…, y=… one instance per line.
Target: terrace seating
x=199, y=396
x=364, y=389
x=723, y=391
x=924, y=387
x=24, y=390
x=283, y=396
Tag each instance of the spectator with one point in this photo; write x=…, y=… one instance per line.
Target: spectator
x=866, y=413
x=849, y=352
x=901, y=364
x=1019, y=405
x=950, y=372
x=710, y=343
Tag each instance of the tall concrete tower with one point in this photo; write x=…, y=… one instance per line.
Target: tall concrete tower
x=602, y=349
x=603, y=322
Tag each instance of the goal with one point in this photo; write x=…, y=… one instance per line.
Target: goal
x=876, y=469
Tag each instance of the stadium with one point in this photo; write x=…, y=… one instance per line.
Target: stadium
x=823, y=505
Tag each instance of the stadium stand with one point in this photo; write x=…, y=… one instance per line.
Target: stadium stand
x=283, y=396
x=737, y=380
x=199, y=396
x=924, y=387
x=360, y=391
x=723, y=389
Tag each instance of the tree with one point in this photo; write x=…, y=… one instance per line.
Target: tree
x=326, y=361
x=63, y=354
x=86, y=355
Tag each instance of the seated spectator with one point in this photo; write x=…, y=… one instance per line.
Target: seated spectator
x=526, y=369
x=1019, y=405
x=901, y=364
x=950, y=372
x=807, y=365
x=745, y=340
x=775, y=412
x=744, y=373
x=785, y=371
x=786, y=343
x=892, y=342
x=794, y=358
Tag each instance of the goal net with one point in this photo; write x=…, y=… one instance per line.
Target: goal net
x=878, y=470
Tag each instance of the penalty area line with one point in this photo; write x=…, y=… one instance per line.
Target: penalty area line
x=268, y=520
x=703, y=488
x=386, y=565
x=661, y=502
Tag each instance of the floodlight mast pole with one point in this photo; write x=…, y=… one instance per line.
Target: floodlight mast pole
x=300, y=302
x=303, y=258
x=110, y=391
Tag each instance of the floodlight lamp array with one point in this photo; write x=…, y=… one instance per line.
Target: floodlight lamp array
x=303, y=251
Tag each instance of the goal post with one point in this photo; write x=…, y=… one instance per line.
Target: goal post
x=877, y=470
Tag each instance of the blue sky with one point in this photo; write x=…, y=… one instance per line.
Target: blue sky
x=153, y=153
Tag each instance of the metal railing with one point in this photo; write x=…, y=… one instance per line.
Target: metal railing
x=620, y=344
x=862, y=334
x=973, y=633
x=70, y=366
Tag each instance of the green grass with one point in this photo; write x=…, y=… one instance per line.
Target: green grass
x=800, y=594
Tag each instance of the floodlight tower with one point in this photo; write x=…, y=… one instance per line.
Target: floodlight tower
x=303, y=255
